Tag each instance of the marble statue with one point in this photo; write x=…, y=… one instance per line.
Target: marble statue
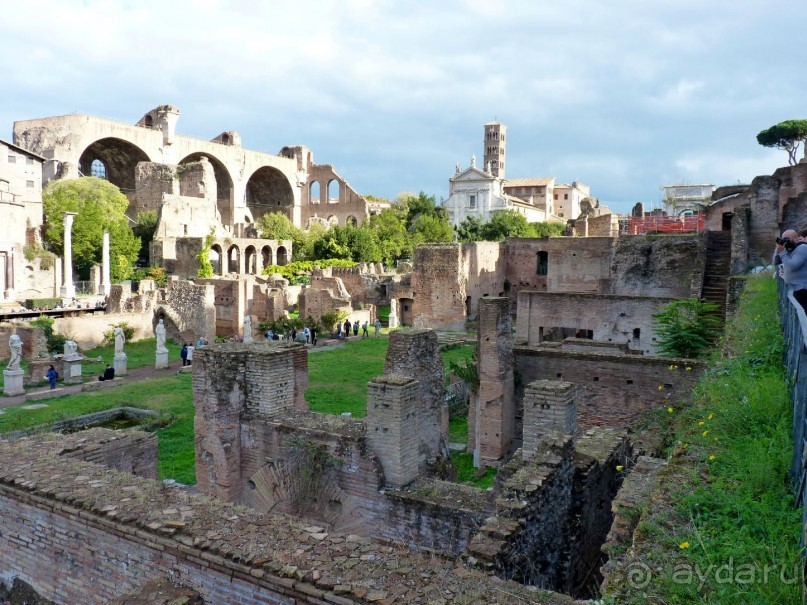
x=70, y=349
x=159, y=332
x=120, y=340
x=15, y=344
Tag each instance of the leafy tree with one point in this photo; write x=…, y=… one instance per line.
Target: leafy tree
x=687, y=328
x=547, y=229
x=332, y=244
x=470, y=229
x=504, y=224
x=431, y=228
x=205, y=266
x=144, y=229
x=420, y=205
x=100, y=206
x=389, y=226
x=276, y=225
x=785, y=135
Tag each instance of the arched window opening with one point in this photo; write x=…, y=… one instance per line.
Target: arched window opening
x=333, y=191
x=98, y=169
x=314, y=192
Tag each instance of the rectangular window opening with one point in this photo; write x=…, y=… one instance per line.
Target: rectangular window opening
x=543, y=262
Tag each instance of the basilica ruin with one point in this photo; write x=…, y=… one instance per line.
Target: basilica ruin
x=293, y=506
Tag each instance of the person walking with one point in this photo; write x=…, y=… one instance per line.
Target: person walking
x=313, y=337
x=52, y=376
x=347, y=329
x=307, y=334
x=183, y=353
x=365, y=329
x=377, y=327
x=356, y=328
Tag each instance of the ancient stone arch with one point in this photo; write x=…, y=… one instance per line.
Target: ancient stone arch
x=251, y=260
x=233, y=259
x=224, y=183
x=268, y=190
x=119, y=159
x=267, y=257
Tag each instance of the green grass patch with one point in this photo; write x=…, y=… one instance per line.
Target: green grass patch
x=140, y=353
x=466, y=473
x=728, y=503
x=171, y=395
x=458, y=429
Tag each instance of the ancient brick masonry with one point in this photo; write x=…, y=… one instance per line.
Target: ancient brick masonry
x=393, y=412
x=264, y=379
x=416, y=354
x=491, y=419
x=550, y=406
x=81, y=533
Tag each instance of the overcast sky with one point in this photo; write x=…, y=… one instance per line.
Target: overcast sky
x=624, y=96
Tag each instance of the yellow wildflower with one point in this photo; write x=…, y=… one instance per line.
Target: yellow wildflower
x=705, y=433
x=688, y=368
x=619, y=467
x=701, y=423
x=684, y=544
x=711, y=416
x=670, y=410
x=661, y=387
x=712, y=457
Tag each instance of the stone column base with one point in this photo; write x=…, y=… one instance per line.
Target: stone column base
x=119, y=363
x=72, y=370
x=13, y=382
x=162, y=360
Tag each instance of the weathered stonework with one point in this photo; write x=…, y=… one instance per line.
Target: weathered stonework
x=416, y=354
x=134, y=530
x=615, y=389
x=550, y=407
x=601, y=317
x=491, y=418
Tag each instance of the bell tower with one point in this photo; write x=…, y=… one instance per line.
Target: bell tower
x=494, y=146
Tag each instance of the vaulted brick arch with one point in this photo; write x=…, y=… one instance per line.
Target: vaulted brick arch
x=268, y=190
x=224, y=184
x=119, y=159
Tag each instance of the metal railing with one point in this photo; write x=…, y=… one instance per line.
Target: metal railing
x=794, y=326
x=686, y=224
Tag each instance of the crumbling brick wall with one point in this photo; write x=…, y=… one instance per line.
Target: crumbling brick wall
x=416, y=354
x=616, y=389
x=81, y=533
x=606, y=317
x=550, y=407
x=491, y=419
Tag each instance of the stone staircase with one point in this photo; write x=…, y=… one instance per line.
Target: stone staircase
x=717, y=270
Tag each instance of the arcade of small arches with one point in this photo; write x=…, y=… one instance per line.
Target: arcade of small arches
x=247, y=256
x=332, y=221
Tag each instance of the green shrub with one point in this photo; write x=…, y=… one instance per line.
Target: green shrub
x=55, y=341
x=687, y=328
x=128, y=332
x=40, y=303
x=158, y=274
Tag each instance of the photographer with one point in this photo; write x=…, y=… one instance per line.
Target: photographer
x=793, y=256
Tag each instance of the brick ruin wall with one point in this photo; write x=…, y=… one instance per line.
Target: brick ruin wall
x=616, y=389
x=491, y=415
x=609, y=318
x=438, y=288
x=416, y=354
x=79, y=532
x=325, y=294
x=669, y=266
x=191, y=307
x=762, y=199
x=553, y=513
x=229, y=302
x=483, y=264
x=152, y=181
x=177, y=255
x=34, y=342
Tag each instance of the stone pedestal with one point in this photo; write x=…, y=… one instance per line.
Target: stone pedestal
x=162, y=360
x=119, y=363
x=72, y=370
x=13, y=382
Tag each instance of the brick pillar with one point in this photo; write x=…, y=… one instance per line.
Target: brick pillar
x=494, y=416
x=416, y=354
x=219, y=396
x=392, y=426
x=550, y=406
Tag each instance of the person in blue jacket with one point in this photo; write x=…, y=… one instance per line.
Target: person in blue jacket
x=52, y=375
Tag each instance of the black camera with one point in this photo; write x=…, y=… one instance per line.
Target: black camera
x=786, y=242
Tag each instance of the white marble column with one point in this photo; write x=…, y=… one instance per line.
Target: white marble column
x=106, y=285
x=68, y=288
